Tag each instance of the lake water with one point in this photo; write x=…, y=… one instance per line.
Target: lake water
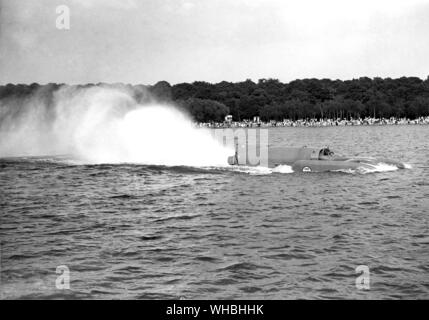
x=153, y=232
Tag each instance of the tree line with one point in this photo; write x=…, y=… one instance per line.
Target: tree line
x=271, y=99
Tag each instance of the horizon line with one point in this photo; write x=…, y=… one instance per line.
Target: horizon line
x=213, y=83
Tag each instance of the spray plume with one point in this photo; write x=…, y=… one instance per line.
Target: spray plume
x=105, y=125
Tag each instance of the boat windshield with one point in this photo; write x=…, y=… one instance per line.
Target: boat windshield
x=325, y=153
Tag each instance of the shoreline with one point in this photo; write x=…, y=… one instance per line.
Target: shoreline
x=315, y=123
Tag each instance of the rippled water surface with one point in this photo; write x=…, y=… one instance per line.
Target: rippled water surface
x=149, y=232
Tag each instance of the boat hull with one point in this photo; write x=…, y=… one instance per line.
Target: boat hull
x=323, y=166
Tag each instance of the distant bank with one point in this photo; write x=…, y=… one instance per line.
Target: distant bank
x=315, y=123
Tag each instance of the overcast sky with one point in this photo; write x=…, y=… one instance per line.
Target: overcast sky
x=145, y=41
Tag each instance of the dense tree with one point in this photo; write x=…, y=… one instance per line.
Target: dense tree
x=271, y=99
x=162, y=91
x=205, y=110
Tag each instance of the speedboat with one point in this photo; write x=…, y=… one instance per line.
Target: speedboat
x=315, y=160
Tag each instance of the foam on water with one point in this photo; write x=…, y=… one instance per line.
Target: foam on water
x=251, y=170
x=283, y=169
x=408, y=166
x=380, y=167
x=259, y=170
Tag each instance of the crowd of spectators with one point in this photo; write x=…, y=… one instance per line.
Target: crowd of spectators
x=315, y=123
